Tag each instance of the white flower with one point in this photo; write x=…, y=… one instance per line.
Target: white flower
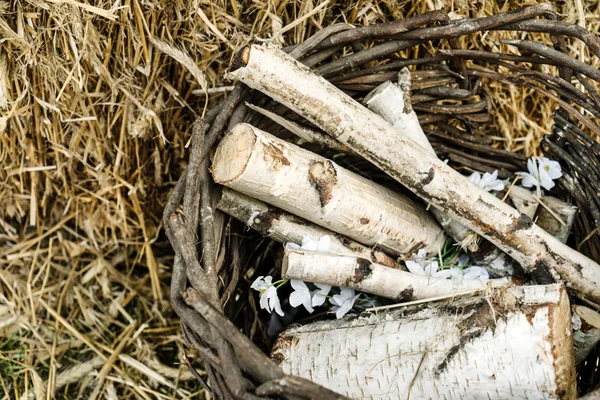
x=301, y=295
x=488, y=182
x=474, y=272
x=542, y=172
x=343, y=302
x=319, y=246
x=453, y=273
x=321, y=295
x=418, y=265
x=423, y=266
x=268, y=294
x=549, y=170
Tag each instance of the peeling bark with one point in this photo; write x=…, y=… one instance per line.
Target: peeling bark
x=509, y=343
x=271, y=71
x=588, y=335
x=365, y=276
x=262, y=166
x=287, y=228
x=547, y=214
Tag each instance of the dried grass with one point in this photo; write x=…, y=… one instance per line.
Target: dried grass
x=96, y=105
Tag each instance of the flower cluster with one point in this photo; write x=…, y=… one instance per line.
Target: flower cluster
x=487, y=182
x=342, y=303
x=420, y=265
x=542, y=173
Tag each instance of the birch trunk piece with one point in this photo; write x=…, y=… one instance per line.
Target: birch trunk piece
x=287, y=228
x=556, y=217
x=265, y=167
x=588, y=335
x=271, y=71
x=507, y=344
x=523, y=200
x=392, y=102
x=362, y=275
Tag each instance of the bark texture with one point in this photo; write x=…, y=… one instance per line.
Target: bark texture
x=588, y=335
x=271, y=71
x=362, y=275
x=513, y=343
x=285, y=228
x=263, y=166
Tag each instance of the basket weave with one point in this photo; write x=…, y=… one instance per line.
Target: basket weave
x=216, y=256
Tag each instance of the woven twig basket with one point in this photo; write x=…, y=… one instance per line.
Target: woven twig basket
x=217, y=256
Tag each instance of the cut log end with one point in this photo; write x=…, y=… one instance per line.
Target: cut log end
x=241, y=58
x=508, y=343
x=236, y=149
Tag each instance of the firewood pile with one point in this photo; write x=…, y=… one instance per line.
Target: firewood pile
x=394, y=251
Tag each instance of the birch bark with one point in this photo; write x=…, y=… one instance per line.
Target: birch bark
x=513, y=343
x=288, y=228
x=362, y=275
x=260, y=165
x=271, y=71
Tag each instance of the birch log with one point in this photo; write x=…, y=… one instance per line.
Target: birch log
x=271, y=71
x=265, y=167
x=362, y=275
x=556, y=217
x=508, y=344
x=587, y=336
x=287, y=228
x=523, y=200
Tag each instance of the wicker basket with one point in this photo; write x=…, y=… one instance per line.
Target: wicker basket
x=220, y=318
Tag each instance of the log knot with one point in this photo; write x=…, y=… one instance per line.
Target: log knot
x=323, y=176
x=273, y=154
x=363, y=269
x=241, y=59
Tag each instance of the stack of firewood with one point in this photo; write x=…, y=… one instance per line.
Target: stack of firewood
x=451, y=338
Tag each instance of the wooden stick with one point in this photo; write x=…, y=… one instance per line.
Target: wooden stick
x=513, y=343
x=588, y=335
x=544, y=257
x=392, y=102
x=548, y=213
x=288, y=228
x=362, y=275
x=262, y=166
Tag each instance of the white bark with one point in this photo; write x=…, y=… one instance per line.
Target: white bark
x=288, y=228
x=271, y=71
x=588, y=335
x=391, y=101
x=507, y=344
x=260, y=165
x=362, y=275
x=523, y=200
x=548, y=214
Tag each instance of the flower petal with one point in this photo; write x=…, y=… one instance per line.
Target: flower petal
x=495, y=185
x=531, y=167
x=321, y=295
x=292, y=246
x=414, y=267
x=475, y=272
x=323, y=245
x=475, y=177
x=545, y=181
x=309, y=245
x=259, y=283
x=299, y=285
x=264, y=301
x=528, y=181
x=346, y=306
